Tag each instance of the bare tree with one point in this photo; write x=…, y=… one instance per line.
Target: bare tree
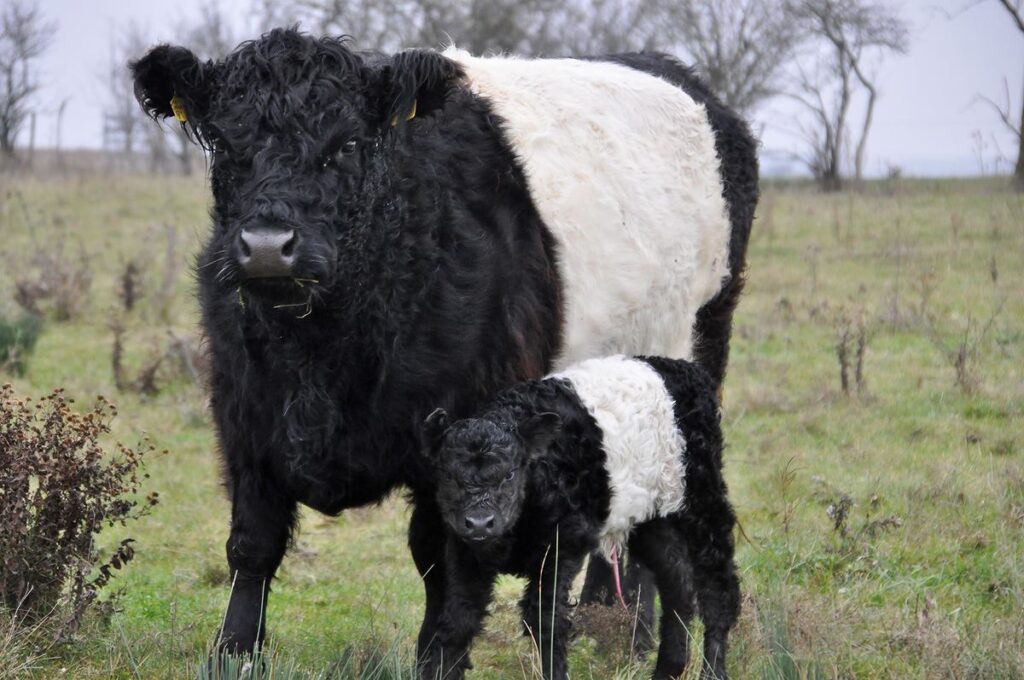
x=126, y=131
x=558, y=28
x=123, y=120
x=825, y=91
x=853, y=35
x=212, y=35
x=24, y=37
x=531, y=27
x=740, y=46
x=268, y=14
x=374, y=23
x=1005, y=113
x=608, y=26
x=1015, y=8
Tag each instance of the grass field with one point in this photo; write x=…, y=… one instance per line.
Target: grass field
x=883, y=529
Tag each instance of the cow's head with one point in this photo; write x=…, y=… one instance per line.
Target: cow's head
x=297, y=129
x=480, y=466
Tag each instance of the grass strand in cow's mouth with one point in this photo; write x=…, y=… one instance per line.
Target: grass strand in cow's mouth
x=308, y=304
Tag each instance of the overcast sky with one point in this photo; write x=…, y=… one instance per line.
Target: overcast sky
x=927, y=120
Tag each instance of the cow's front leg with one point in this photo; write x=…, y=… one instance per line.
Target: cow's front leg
x=468, y=588
x=262, y=517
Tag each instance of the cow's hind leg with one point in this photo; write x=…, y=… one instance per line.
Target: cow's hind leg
x=659, y=546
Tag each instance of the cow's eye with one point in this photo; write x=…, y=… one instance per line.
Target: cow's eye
x=510, y=476
x=346, y=149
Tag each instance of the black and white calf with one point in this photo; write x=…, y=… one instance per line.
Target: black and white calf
x=609, y=453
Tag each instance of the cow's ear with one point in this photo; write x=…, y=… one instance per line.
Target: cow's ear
x=433, y=430
x=417, y=83
x=539, y=431
x=171, y=81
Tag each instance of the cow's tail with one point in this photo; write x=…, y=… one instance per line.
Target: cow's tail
x=737, y=152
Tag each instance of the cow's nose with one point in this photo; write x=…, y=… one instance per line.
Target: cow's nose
x=479, y=526
x=265, y=253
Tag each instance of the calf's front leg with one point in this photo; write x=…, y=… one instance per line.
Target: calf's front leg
x=545, y=607
x=427, y=541
x=468, y=588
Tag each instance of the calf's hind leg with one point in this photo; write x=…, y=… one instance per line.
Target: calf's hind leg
x=710, y=545
x=658, y=545
x=638, y=589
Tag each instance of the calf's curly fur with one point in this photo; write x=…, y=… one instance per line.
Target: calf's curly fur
x=539, y=478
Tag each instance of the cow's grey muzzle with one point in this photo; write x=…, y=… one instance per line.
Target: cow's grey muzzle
x=267, y=253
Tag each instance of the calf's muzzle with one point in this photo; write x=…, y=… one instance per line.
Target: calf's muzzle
x=479, y=526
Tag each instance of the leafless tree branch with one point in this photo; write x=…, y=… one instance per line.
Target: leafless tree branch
x=1003, y=111
x=1016, y=11
x=851, y=30
x=24, y=36
x=739, y=46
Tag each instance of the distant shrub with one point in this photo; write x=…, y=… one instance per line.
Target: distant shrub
x=180, y=356
x=57, y=283
x=17, y=340
x=58, y=489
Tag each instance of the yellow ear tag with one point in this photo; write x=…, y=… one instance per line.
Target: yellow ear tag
x=178, y=107
x=410, y=116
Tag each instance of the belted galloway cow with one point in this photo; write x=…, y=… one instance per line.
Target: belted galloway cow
x=394, y=233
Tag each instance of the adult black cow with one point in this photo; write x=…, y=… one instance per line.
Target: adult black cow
x=397, y=233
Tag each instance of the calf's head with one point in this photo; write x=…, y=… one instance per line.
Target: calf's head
x=295, y=129
x=480, y=466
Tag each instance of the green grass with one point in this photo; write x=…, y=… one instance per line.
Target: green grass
x=926, y=580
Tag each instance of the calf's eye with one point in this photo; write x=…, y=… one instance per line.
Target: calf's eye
x=510, y=476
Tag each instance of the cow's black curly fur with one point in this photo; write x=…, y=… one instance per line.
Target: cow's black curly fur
x=548, y=487
x=424, y=276
x=404, y=298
